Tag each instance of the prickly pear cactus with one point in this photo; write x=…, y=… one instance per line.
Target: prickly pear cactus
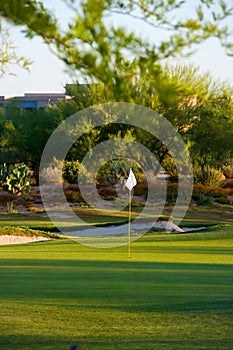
x=14, y=178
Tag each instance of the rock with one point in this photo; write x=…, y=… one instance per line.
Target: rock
x=167, y=226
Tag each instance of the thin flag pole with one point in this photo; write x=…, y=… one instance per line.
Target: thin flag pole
x=130, y=183
x=129, y=228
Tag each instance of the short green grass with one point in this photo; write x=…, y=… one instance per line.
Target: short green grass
x=195, y=216
x=175, y=293
x=26, y=231
x=208, y=215
x=29, y=220
x=88, y=215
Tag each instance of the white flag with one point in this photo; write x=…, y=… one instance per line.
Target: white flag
x=131, y=181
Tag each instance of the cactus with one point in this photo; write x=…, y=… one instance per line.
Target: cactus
x=14, y=178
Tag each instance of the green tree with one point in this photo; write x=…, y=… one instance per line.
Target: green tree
x=24, y=134
x=190, y=94
x=112, y=54
x=211, y=137
x=8, y=53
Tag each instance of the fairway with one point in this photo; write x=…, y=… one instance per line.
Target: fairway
x=174, y=293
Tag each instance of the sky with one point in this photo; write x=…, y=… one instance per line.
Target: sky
x=48, y=73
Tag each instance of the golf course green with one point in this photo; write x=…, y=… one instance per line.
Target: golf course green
x=174, y=293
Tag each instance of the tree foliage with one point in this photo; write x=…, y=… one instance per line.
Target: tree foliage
x=113, y=54
x=8, y=54
x=127, y=66
x=211, y=140
x=24, y=135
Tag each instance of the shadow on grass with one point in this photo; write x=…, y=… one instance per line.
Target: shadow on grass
x=117, y=341
x=28, y=342
x=110, y=305
x=129, y=286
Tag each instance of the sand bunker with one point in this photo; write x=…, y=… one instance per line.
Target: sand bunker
x=11, y=239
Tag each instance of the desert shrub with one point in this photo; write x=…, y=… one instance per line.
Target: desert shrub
x=223, y=200
x=204, y=193
x=164, y=218
x=207, y=176
x=73, y=187
x=69, y=194
x=84, y=204
x=11, y=208
x=110, y=197
x=140, y=176
x=35, y=195
x=228, y=184
x=6, y=197
x=201, y=193
x=196, y=194
x=117, y=170
x=173, y=178
x=137, y=204
x=172, y=192
x=73, y=171
x=51, y=176
x=205, y=199
x=107, y=193
x=218, y=192
x=228, y=171
x=31, y=207
x=141, y=189
x=73, y=196
x=169, y=166
x=53, y=173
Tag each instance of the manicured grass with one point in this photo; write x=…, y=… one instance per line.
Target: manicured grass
x=208, y=215
x=174, y=293
x=26, y=231
x=30, y=220
x=195, y=217
x=88, y=215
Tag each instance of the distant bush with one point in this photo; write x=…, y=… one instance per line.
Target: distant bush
x=31, y=208
x=164, y=218
x=141, y=189
x=218, y=192
x=228, y=184
x=107, y=193
x=53, y=173
x=137, y=204
x=11, y=208
x=169, y=166
x=73, y=171
x=51, y=176
x=73, y=196
x=172, y=192
x=204, y=194
x=205, y=199
x=117, y=170
x=228, y=171
x=207, y=176
x=223, y=200
x=6, y=197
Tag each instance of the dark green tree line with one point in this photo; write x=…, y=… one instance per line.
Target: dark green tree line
x=199, y=107
x=126, y=66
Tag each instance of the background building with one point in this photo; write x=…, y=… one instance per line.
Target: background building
x=32, y=101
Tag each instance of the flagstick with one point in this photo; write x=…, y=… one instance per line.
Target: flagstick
x=129, y=255
x=130, y=183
